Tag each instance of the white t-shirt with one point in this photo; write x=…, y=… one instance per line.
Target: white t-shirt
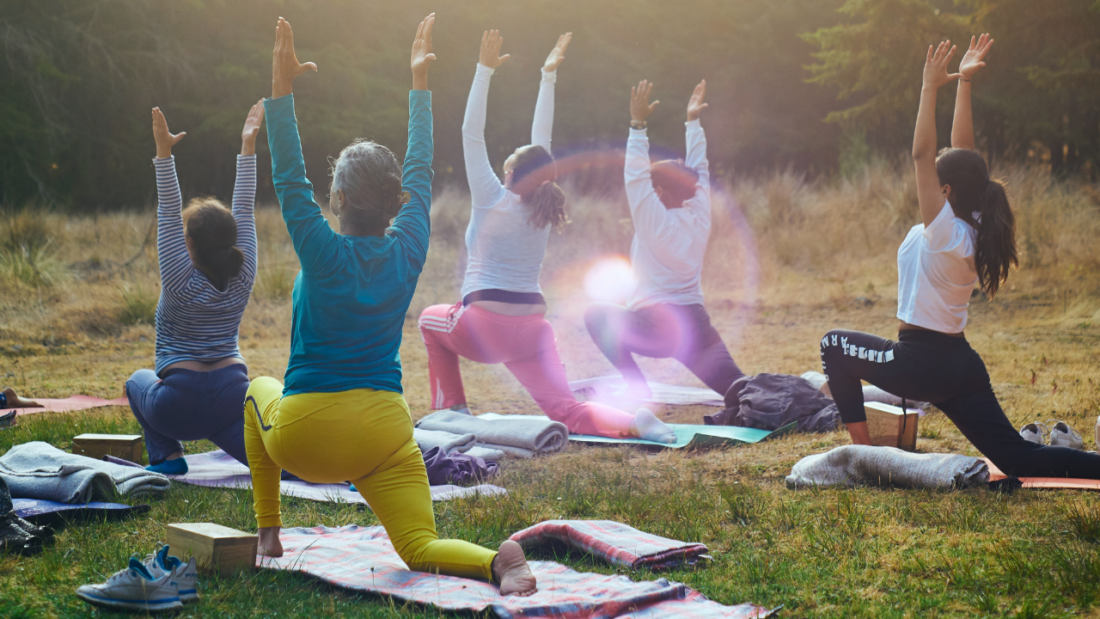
x=936, y=273
x=669, y=244
x=504, y=251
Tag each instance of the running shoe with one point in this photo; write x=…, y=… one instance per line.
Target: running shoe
x=1035, y=433
x=1061, y=435
x=185, y=575
x=13, y=539
x=45, y=533
x=133, y=588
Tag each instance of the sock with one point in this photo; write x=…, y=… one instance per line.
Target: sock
x=652, y=429
x=169, y=467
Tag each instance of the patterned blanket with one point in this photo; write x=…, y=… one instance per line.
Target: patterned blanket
x=362, y=559
x=613, y=542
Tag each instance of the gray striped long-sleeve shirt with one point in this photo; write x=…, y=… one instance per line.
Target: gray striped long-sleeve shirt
x=195, y=320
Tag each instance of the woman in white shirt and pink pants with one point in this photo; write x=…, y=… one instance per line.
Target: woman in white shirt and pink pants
x=967, y=238
x=501, y=318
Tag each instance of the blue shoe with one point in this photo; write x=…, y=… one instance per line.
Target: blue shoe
x=169, y=467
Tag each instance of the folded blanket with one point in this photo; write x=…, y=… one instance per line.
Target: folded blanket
x=41, y=471
x=363, y=559
x=864, y=464
x=613, y=542
x=523, y=436
x=447, y=441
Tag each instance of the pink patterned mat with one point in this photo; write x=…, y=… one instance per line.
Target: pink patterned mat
x=614, y=542
x=362, y=559
x=64, y=405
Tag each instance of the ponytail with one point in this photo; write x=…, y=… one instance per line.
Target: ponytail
x=534, y=177
x=213, y=232
x=996, y=247
x=547, y=204
x=982, y=202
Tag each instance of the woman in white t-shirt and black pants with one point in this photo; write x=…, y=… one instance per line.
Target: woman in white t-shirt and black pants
x=967, y=238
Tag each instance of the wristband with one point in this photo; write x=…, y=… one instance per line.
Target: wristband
x=637, y=124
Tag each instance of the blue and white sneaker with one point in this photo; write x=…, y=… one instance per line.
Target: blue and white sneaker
x=184, y=575
x=133, y=588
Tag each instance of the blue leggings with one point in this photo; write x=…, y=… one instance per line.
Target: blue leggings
x=188, y=406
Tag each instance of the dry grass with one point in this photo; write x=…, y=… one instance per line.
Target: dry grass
x=787, y=260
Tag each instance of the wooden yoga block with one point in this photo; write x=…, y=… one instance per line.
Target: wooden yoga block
x=125, y=446
x=215, y=548
x=889, y=426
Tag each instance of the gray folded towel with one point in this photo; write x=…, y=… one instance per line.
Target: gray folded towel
x=864, y=464
x=519, y=437
x=41, y=471
x=446, y=441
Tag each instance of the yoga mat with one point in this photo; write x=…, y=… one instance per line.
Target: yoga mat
x=687, y=435
x=1046, y=483
x=217, y=469
x=603, y=388
x=363, y=559
x=48, y=512
x=74, y=403
x=614, y=542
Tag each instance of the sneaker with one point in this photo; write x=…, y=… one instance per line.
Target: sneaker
x=169, y=467
x=45, y=533
x=133, y=588
x=1034, y=433
x=185, y=575
x=1061, y=435
x=13, y=539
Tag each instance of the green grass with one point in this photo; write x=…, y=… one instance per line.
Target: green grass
x=824, y=553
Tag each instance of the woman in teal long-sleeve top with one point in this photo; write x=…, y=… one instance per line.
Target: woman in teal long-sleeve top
x=341, y=414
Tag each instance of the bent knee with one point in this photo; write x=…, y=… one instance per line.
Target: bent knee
x=832, y=342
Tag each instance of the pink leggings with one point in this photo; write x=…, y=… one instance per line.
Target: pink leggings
x=527, y=347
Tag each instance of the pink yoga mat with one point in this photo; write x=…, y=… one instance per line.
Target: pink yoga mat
x=1049, y=483
x=74, y=403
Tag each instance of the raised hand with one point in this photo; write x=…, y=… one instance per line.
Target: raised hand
x=935, y=66
x=696, y=105
x=165, y=139
x=974, y=58
x=553, y=61
x=284, y=63
x=252, y=128
x=422, y=55
x=490, y=49
x=640, y=107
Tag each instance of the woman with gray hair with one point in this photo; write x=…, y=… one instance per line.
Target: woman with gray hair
x=341, y=414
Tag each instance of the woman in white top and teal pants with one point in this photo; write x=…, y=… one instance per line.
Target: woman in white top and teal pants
x=501, y=318
x=967, y=238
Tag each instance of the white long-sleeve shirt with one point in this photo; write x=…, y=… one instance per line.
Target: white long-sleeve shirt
x=669, y=244
x=504, y=251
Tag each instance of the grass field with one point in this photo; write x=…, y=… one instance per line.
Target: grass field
x=788, y=260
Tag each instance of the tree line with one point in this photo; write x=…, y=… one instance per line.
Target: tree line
x=820, y=86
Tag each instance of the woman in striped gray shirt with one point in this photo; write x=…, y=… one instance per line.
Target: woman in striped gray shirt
x=207, y=267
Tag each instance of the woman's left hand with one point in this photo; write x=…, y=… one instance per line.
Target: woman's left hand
x=935, y=65
x=422, y=56
x=553, y=61
x=252, y=128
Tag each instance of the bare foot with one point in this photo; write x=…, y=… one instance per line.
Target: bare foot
x=14, y=401
x=269, y=545
x=511, y=571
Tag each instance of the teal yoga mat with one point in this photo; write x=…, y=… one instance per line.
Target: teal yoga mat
x=687, y=435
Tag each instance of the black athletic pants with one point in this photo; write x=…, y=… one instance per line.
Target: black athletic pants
x=946, y=371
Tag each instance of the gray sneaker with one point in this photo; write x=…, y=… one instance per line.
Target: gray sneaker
x=1035, y=433
x=1061, y=435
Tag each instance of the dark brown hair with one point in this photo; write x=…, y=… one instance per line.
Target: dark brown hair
x=213, y=233
x=973, y=192
x=675, y=180
x=534, y=178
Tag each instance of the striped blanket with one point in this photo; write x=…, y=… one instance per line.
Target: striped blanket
x=613, y=542
x=362, y=559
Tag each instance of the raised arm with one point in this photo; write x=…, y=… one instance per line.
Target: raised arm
x=485, y=186
x=930, y=195
x=646, y=208
x=412, y=226
x=543, y=125
x=962, y=127
x=696, y=141
x=175, y=263
x=315, y=242
x=244, y=193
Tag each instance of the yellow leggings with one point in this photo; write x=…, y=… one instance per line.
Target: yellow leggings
x=364, y=436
